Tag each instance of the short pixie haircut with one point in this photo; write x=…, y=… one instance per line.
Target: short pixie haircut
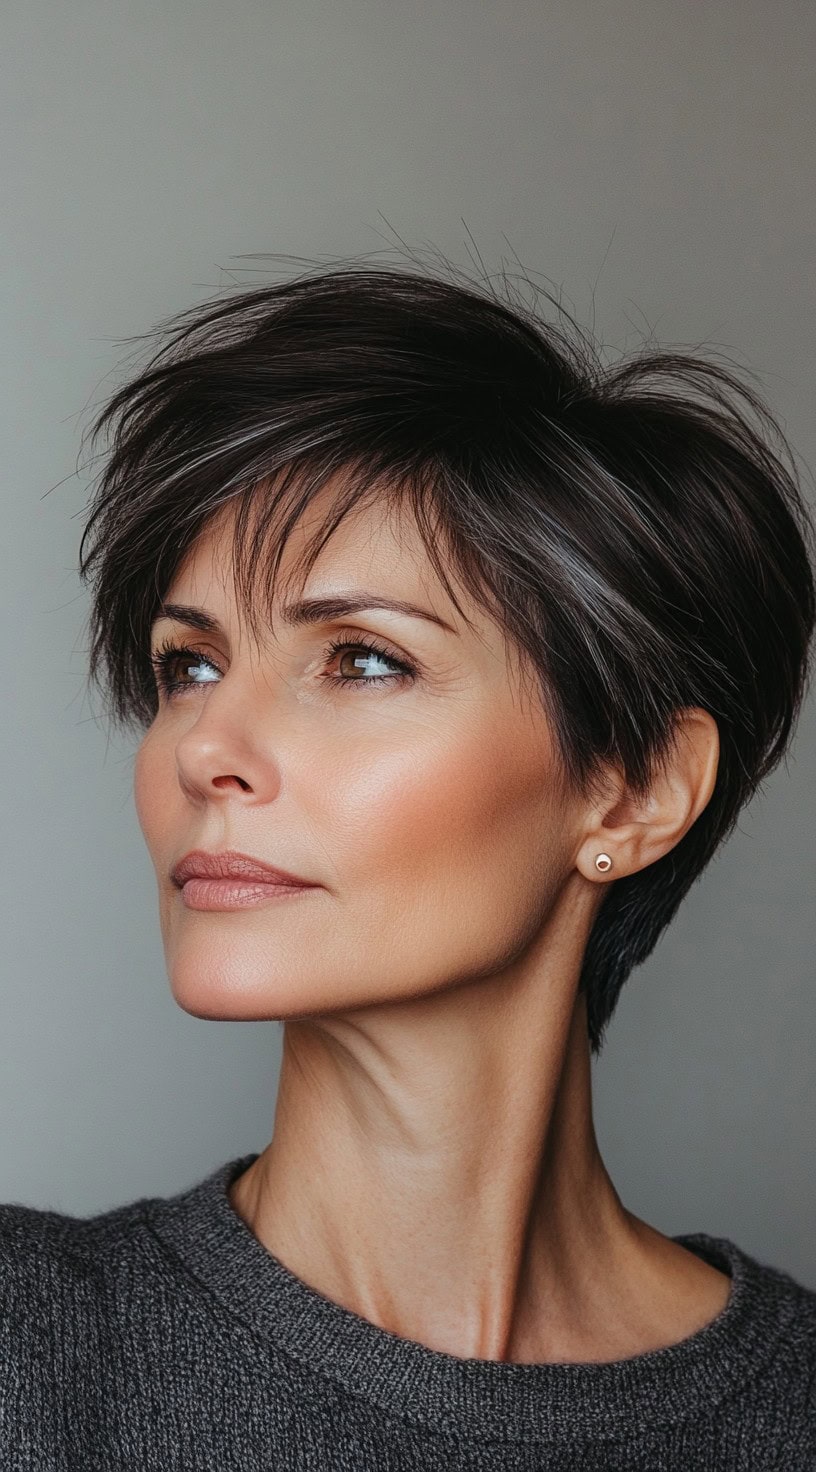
x=642, y=544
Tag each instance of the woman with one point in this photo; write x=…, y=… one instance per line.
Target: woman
x=455, y=656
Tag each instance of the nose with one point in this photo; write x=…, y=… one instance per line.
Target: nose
x=223, y=755
x=206, y=771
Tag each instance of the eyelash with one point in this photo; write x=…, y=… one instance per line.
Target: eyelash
x=162, y=662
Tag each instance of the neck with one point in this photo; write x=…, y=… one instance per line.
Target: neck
x=434, y=1168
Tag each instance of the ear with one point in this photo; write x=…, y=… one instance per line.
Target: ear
x=637, y=831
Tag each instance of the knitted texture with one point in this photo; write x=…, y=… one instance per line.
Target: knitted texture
x=162, y=1336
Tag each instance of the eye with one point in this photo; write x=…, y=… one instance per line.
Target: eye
x=367, y=651
x=170, y=658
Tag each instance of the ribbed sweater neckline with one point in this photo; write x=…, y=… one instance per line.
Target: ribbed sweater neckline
x=483, y=1398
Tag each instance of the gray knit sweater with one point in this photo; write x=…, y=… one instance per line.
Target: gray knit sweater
x=162, y=1335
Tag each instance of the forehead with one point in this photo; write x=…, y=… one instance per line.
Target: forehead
x=377, y=547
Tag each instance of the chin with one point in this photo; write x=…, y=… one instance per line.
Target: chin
x=204, y=989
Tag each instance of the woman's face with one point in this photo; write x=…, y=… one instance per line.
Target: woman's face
x=423, y=807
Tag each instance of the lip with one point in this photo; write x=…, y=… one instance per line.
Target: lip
x=229, y=864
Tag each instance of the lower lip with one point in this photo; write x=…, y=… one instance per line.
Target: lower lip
x=235, y=894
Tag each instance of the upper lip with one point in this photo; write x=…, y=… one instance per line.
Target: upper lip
x=229, y=864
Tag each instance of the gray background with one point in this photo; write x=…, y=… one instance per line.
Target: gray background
x=654, y=160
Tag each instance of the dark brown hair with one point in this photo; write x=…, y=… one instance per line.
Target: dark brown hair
x=641, y=542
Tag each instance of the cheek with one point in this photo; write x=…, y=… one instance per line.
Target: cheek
x=445, y=812
x=446, y=854
x=152, y=789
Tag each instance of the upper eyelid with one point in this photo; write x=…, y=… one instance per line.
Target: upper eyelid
x=332, y=633
x=330, y=647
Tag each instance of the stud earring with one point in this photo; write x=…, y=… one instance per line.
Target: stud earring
x=603, y=862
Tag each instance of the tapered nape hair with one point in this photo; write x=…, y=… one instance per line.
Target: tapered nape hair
x=636, y=530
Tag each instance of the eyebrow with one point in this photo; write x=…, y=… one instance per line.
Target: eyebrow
x=307, y=611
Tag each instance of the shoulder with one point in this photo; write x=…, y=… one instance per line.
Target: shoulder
x=802, y=1302
x=790, y=1381
x=33, y=1241
x=763, y=1284
x=779, y=1331
x=56, y=1270
x=803, y=1313
x=68, y=1285
x=760, y=1350
x=38, y=1238
x=777, y=1288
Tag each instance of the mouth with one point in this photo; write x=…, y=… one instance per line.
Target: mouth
x=237, y=894
x=230, y=880
x=229, y=864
